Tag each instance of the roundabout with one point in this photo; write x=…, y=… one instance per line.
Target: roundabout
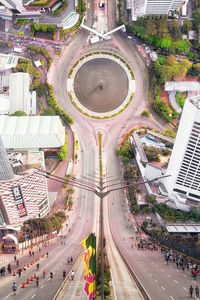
x=101, y=85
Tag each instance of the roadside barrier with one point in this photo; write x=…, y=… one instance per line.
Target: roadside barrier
x=35, y=275
x=28, y=280
x=14, y=273
x=24, y=285
x=31, y=278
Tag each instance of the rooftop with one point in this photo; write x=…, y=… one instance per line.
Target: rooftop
x=182, y=86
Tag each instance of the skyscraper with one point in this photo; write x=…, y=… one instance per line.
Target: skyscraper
x=6, y=171
x=161, y=7
x=139, y=8
x=184, y=165
x=15, y=5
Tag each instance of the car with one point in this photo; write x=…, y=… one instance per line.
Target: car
x=135, y=39
x=129, y=37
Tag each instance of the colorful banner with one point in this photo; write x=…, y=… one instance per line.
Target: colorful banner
x=89, y=264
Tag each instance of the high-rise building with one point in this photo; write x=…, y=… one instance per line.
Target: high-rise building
x=15, y=5
x=6, y=171
x=139, y=8
x=184, y=165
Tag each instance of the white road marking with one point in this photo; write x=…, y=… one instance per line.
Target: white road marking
x=156, y=280
x=157, y=266
x=171, y=297
x=175, y=281
x=33, y=296
x=163, y=288
x=184, y=275
x=177, y=270
x=168, y=275
x=150, y=274
x=194, y=282
x=48, y=279
x=185, y=289
x=42, y=286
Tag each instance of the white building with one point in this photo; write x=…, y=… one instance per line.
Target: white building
x=15, y=5
x=183, y=186
x=19, y=86
x=7, y=61
x=32, y=133
x=140, y=8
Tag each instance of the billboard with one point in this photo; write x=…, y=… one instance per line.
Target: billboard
x=17, y=194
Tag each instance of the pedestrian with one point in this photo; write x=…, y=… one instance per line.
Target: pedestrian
x=9, y=268
x=33, y=253
x=47, y=254
x=195, y=274
x=30, y=252
x=51, y=275
x=197, y=291
x=44, y=273
x=37, y=281
x=38, y=266
x=68, y=261
x=71, y=260
x=14, y=288
x=72, y=275
x=17, y=263
x=24, y=267
x=20, y=272
x=15, y=257
x=3, y=271
x=39, y=249
x=64, y=274
x=191, y=291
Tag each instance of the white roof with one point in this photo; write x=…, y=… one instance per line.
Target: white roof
x=4, y=104
x=19, y=84
x=182, y=86
x=32, y=132
x=37, y=63
x=179, y=228
x=12, y=237
x=7, y=61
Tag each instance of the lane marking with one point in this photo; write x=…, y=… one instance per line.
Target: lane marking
x=184, y=275
x=42, y=286
x=163, y=288
x=185, y=289
x=171, y=297
x=194, y=282
x=175, y=281
x=168, y=275
x=48, y=279
x=177, y=270
x=32, y=296
x=156, y=280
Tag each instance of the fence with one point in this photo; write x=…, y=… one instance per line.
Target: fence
x=188, y=251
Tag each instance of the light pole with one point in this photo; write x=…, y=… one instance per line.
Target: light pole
x=99, y=191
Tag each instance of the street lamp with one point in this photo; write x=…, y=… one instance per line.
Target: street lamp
x=99, y=191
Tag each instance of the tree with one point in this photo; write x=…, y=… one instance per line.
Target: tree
x=184, y=46
x=62, y=152
x=186, y=63
x=166, y=42
x=187, y=25
x=49, y=111
x=179, y=71
x=197, y=67
x=151, y=26
x=169, y=133
x=171, y=60
x=175, y=30
x=162, y=59
x=19, y=113
x=162, y=28
x=197, y=18
x=164, y=73
x=152, y=153
x=145, y=113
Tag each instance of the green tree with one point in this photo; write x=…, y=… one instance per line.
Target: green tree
x=163, y=73
x=152, y=153
x=187, y=25
x=19, y=113
x=62, y=152
x=151, y=26
x=145, y=113
x=186, y=63
x=175, y=30
x=179, y=72
x=171, y=60
x=162, y=27
x=49, y=111
x=197, y=18
x=169, y=133
x=197, y=66
x=184, y=46
x=166, y=42
x=162, y=59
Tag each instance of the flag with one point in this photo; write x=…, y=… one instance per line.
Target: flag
x=89, y=264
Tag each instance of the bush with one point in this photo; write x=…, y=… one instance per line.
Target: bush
x=62, y=153
x=19, y=113
x=165, y=152
x=145, y=114
x=49, y=111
